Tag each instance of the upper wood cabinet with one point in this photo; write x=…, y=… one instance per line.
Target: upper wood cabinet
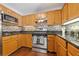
x=70, y=11
x=73, y=10
x=0, y=7
x=57, y=17
x=29, y=20
x=65, y=13
x=54, y=17
x=19, y=17
x=50, y=18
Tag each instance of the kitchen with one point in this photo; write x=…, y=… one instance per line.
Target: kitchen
x=47, y=29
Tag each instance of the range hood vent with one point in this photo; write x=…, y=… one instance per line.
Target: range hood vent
x=41, y=17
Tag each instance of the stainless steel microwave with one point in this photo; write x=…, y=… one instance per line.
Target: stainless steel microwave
x=6, y=17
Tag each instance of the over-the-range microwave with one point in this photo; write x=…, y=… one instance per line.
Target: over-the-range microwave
x=8, y=18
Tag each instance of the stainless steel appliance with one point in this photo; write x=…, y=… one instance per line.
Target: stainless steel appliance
x=8, y=20
x=40, y=42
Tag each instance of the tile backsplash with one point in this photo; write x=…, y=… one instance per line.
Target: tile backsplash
x=55, y=28
x=72, y=27
x=11, y=28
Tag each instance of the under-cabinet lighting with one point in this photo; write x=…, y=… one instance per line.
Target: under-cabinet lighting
x=72, y=21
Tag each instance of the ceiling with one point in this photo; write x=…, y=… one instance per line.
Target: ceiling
x=31, y=8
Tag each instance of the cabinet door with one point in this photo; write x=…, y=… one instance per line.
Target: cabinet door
x=13, y=41
x=20, y=40
x=65, y=13
x=51, y=42
x=19, y=20
x=60, y=46
x=6, y=48
x=32, y=20
x=57, y=17
x=4, y=9
x=73, y=10
x=29, y=20
x=61, y=51
x=29, y=40
x=69, y=54
x=0, y=7
x=24, y=40
x=71, y=48
x=9, y=45
x=50, y=18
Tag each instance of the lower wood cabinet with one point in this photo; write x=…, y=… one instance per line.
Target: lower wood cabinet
x=61, y=51
x=60, y=47
x=57, y=44
x=19, y=40
x=69, y=54
x=72, y=51
x=12, y=43
x=51, y=42
x=9, y=45
x=27, y=38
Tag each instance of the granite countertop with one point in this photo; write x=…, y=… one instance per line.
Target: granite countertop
x=67, y=38
x=10, y=33
x=25, y=32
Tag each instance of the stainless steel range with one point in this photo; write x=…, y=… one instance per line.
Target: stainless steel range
x=40, y=42
x=40, y=35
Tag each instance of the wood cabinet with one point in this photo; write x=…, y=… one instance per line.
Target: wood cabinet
x=0, y=7
x=28, y=40
x=51, y=43
x=9, y=45
x=29, y=20
x=73, y=10
x=70, y=11
x=24, y=40
x=61, y=51
x=72, y=51
x=60, y=46
x=54, y=17
x=21, y=40
x=50, y=18
x=65, y=13
x=69, y=54
x=19, y=17
x=57, y=17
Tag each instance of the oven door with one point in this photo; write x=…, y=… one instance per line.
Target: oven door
x=40, y=41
